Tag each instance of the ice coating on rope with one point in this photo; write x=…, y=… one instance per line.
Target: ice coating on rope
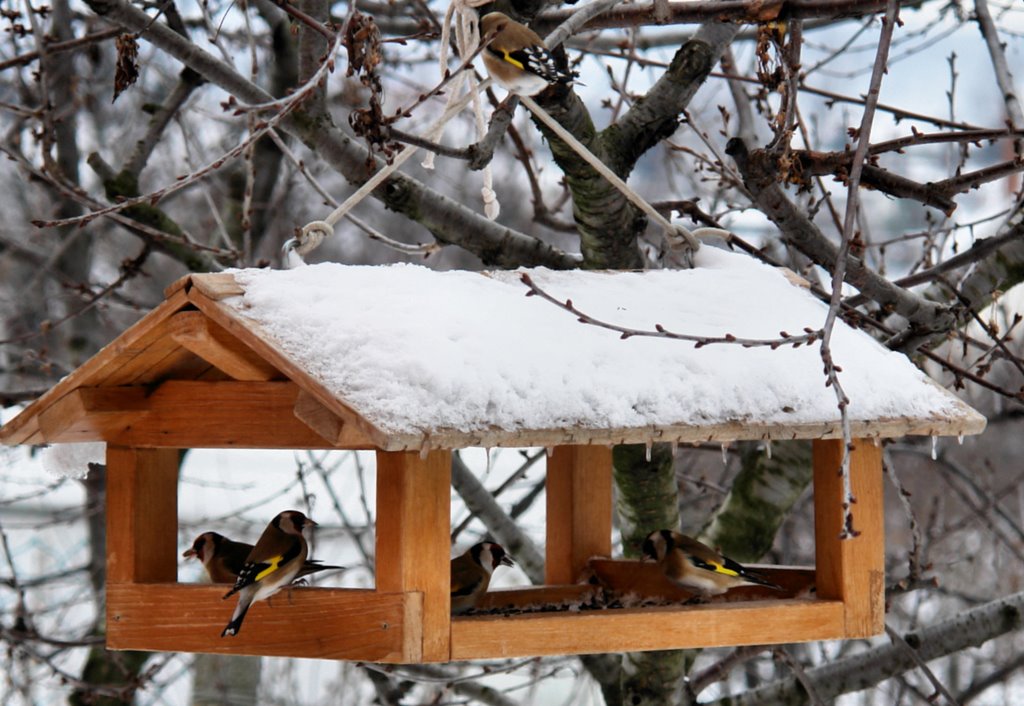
x=414, y=350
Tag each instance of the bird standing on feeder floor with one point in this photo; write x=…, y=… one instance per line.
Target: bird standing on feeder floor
x=471, y=574
x=224, y=558
x=273, y=563
x=696, y=566
x=516, y=57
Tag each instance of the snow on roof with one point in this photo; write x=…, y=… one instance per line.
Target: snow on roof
x=416, y=351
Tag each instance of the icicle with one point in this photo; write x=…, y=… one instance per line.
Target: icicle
x=550, y=451
x=935, y=448
x=960, y=438
x=647, y=455
x=424, y=449
x=675, y=447
x=725, y=454
x=768, y=449
x=878, y=441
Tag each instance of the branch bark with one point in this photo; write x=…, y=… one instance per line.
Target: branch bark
x=970, y=628
x=448, y=220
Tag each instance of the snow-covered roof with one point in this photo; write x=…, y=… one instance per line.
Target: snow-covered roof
x=418, y=357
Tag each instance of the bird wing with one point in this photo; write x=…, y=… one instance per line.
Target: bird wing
x=704, y=557
x=255, y=571
x=710, y=560
x=467, y=586
x=725, y=566
x=467, y=576
x=235, y=554
x=533, y=60
x=311, y=566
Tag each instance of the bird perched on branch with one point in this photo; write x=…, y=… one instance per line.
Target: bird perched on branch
x=471, y=574
x=224, y=558
x=696, y=566
x=517, y=58
x=275, y=561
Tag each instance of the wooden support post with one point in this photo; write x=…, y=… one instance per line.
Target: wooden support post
x=414, y=543
x=142, y=515
x=579, y=510
x=851, y=570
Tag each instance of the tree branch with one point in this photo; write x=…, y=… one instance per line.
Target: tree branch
x=448, y=220
x=969, y=628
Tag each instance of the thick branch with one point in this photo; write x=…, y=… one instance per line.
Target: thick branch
x=448, y=220
x=760, y=499
x=968, y=629
x=997, y=53
x=735, y=11
x=506, y=532
x=797, y=229
x=607, y=222
x=655, y=116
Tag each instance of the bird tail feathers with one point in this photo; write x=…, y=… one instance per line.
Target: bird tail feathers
x=236, y=620
x=753, y=577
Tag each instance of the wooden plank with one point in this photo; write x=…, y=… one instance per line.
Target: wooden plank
x=142, y=515
x=641, y=629
x=87, y=413
x=178, y=285
x=963, y=422
x=851, y=570
x=111, y=357
x=193, y=331
x=252, y=335
x=217, y=286
x=520, y=598
x=579, y=510
x=644, y=578
x=321, y=623
x=321, y=420
x=198, y=414
x=413, y=541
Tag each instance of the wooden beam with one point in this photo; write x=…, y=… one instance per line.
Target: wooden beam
x=961, y=421
x=519, y=598
x=261, y=341
x=644, y=578
x=640, y=629
x=325, y=423
x=217, y=285
x=851, y=570
x=413, y=539
x=191, y=414
x=579, y=510
x=320, y=623
x=88, y=413
x=24, y=427
x=195, y=332
x=142, y=515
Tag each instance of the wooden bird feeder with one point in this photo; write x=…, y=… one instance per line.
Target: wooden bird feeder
x=219, y=364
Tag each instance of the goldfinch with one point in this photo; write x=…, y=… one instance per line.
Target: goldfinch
x=696, y=566
x=224, y=558
x=516, y=57
x=272, y=564
x=471, y=574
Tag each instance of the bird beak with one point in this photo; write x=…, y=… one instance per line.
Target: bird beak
x=506, y=561
x=189, y=553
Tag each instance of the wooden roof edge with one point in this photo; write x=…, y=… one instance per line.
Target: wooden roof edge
x=215, y=285
x=22, y=427
x=725, y=433
x=206, y=295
